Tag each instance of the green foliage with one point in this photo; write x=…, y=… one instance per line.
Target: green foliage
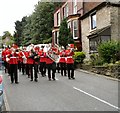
x=108, y=51
x=7, y=38
x=47, y=41
x=37, y=27
x=65, y=36
x=6, y=34
x=79, y=57
x=95, y=59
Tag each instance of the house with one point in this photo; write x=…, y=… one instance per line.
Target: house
x=102, y=23
x=72, y=10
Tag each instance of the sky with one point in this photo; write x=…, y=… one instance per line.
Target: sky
x=13, y=10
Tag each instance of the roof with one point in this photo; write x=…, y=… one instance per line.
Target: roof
x=98, y=31
x=101, y=5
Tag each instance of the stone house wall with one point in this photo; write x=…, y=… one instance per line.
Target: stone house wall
x=105, y=16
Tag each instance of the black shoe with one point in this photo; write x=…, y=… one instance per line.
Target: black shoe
x=49, y=79
x=31, y=80
x=69, y=78
x=73, y=77
x=54, y=79
x=17, y=82
x=35, y=80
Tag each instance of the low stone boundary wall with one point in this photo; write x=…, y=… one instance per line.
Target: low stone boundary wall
x=113, y=71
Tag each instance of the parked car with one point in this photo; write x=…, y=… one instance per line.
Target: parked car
x=1, y=93
x=1, y=62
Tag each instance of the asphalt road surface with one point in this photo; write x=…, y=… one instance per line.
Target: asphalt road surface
x=87, y=92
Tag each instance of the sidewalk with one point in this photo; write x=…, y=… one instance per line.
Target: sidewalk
x=95, y=74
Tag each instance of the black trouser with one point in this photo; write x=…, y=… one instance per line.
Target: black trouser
x=19, y=66
x=30, y=72
x=14, y=73
x=58, y=67
x=43, y=68
x=23, y=68
x=5, y=65
x=51, y=68
x=70, y=69
x=35, y=71
x=63, y=68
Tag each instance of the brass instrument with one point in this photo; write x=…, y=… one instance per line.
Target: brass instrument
x=53, y=53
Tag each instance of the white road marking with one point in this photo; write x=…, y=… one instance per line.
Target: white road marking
x=6, y=102
x=97, y=98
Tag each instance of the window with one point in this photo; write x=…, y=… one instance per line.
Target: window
x=94, y=42
x=75, y=29
x=65, y=11
x=57, y=42
x=93, y=21
x=58, y=18
x=69, y=25
x=105, y=38
x=75, y=6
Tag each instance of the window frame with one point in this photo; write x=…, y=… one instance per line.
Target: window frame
x=74, y=6
x=98, y=41
x=58, y=19
x=92, y=26
x=75, y=37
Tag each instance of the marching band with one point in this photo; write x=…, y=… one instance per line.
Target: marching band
x=36, y=60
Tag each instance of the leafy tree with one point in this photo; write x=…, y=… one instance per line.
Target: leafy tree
x=38, y=26
x=7, y=38
x=65, y=36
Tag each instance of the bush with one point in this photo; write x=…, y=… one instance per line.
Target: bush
x=79, y=57
x=95, y=59
x=108, y=51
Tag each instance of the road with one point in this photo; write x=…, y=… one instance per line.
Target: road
x=87, y=92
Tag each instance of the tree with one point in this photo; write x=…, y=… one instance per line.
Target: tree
x=65, y=36
x=7, y=38
x=36, y=28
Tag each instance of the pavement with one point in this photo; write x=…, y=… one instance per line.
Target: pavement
x=86, y=93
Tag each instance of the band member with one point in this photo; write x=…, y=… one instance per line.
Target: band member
x=36, y=62
x=13, y=66
x=42, y=61
x=29, y=64
x=51, y=66
x=22, y=58
x=7, y=54
x=70, y=63
x=62, y=61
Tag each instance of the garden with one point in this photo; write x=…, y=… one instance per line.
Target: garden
x=105, y=62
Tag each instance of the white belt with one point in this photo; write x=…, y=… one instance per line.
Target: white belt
x=69, y=56
x=13, y=57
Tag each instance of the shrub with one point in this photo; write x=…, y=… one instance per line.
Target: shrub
x=108, y=50
x=95, y=59
x=79, y=57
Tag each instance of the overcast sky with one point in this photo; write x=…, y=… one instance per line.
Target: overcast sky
x=13, y=10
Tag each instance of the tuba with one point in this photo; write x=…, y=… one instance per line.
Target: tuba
x=53, y=53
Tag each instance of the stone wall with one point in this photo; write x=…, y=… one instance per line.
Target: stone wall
x=103, y=20
x=113, y=71
x=115, y=22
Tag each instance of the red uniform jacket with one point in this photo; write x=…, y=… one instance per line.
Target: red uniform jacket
x=62, y=57
x=29, y=60
x=69, y=59
x=13, y=59
x=49, y=60
x=42, y=56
